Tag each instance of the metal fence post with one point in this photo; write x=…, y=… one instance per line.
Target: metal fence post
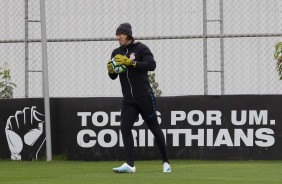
x=221, y=46
x=45, y=80
x=205, y=48
x=26, y=48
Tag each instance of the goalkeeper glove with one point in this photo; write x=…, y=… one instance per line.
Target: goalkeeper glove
x=110, y=68
x=123, y=60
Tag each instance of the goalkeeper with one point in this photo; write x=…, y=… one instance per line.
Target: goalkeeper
x=138, y=96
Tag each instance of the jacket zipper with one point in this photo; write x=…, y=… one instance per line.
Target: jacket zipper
x=131, y=90
x=129, y=83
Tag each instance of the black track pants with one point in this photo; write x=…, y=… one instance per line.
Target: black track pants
x=146, y=106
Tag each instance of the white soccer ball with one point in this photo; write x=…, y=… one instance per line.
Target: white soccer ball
x=118, y=68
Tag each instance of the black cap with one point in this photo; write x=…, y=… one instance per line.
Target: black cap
x=124, y=28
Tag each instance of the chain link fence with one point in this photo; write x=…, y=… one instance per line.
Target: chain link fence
x=202, y=47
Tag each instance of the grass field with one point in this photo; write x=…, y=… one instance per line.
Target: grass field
x=183, y=171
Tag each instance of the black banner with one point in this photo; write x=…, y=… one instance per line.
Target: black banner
x=195, y=127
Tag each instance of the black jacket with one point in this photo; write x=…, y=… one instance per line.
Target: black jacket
x=134, y=81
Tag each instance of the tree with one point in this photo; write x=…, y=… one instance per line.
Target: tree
x=278, y=57
x=154, y=84
x=6, y=86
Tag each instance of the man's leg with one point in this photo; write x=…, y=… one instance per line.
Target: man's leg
x=160, y=140
x=147, y=108
x=155, y=128
x=129, y=115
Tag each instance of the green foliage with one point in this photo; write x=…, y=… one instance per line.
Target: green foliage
x=154, y=84
x=279, y=69
x=278, y=57
x=6, y=86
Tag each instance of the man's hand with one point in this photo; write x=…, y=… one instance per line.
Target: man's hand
x=123, y=60
x=110, y=68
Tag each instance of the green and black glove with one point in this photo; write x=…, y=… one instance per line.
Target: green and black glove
x=110, y=68
x=123, y=60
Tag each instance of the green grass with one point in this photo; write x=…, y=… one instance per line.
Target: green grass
x=183, y=171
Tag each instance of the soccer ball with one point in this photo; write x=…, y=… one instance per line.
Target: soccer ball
x=118, y=68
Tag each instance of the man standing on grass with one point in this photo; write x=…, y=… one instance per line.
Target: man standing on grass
x=138, y=96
